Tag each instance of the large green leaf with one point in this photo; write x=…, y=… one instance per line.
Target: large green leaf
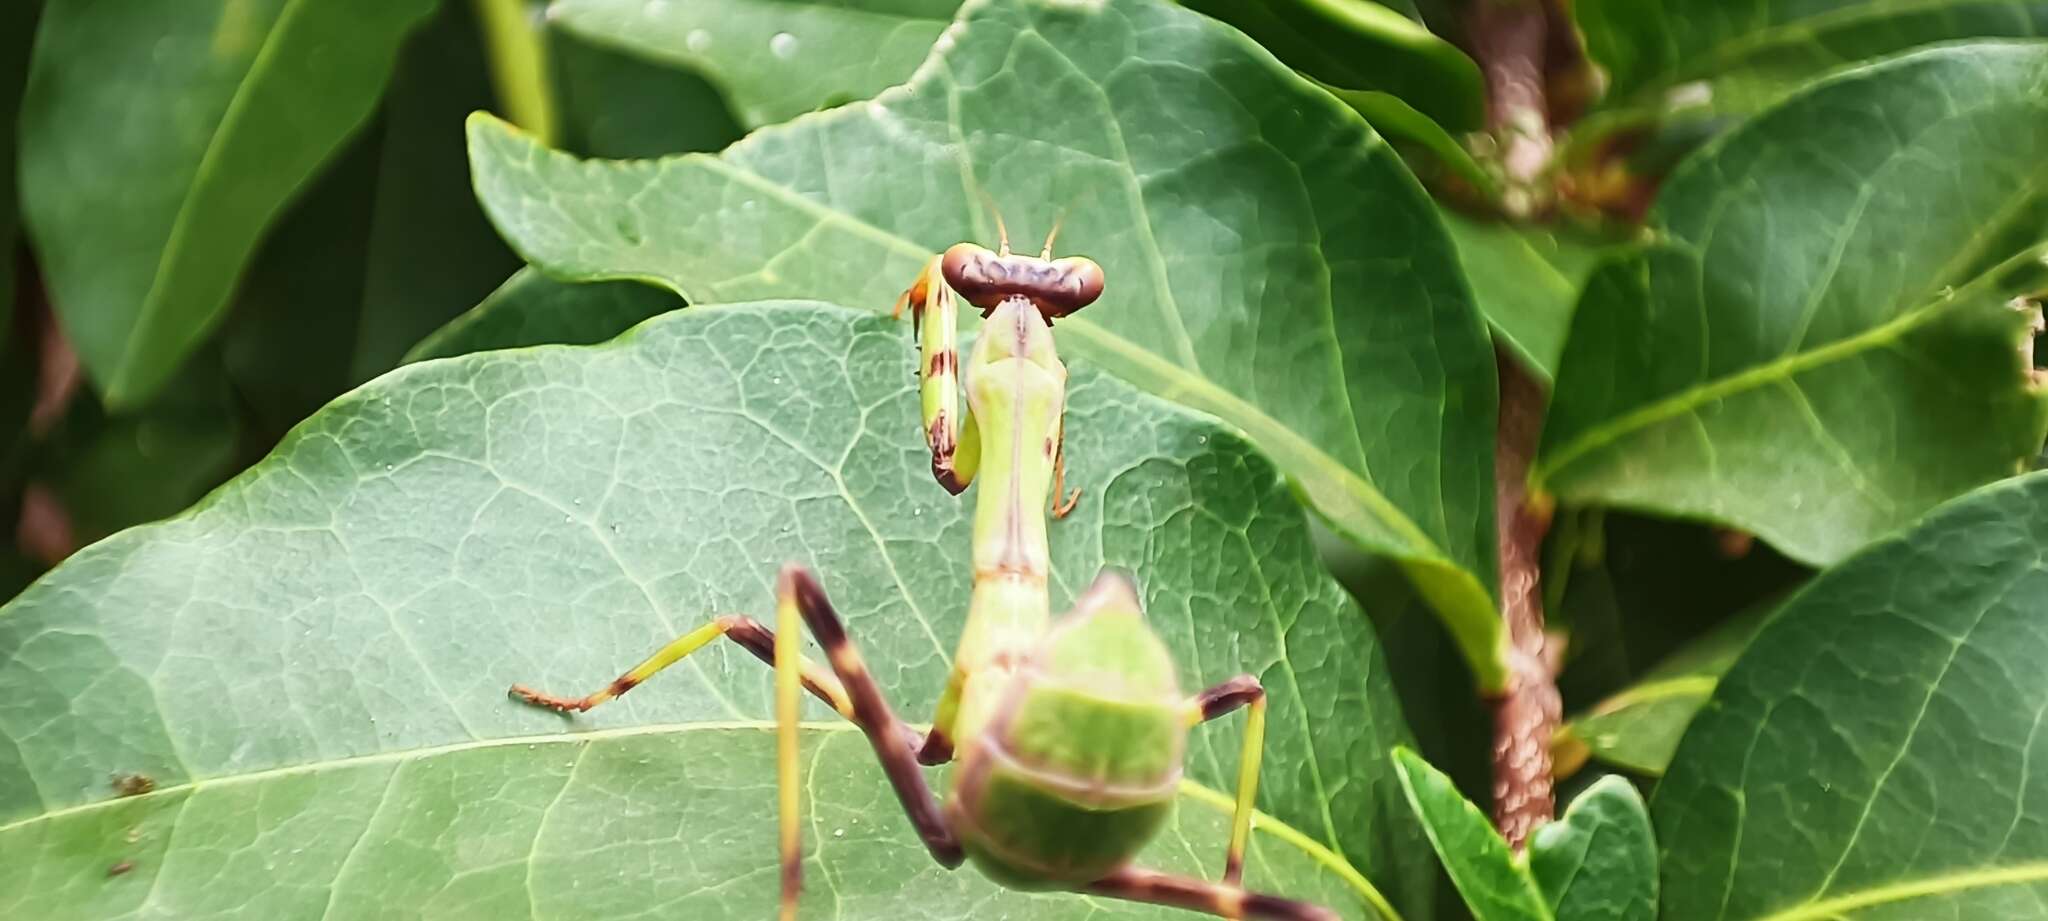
x=1269, y=260
x=385, y=246
x=774, y=59
x=1820, y=348
x=1871, y=755
x=159, y=139
x=312, y=663
x=1751, y=53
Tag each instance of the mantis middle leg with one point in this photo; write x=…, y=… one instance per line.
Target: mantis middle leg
x=848, y=689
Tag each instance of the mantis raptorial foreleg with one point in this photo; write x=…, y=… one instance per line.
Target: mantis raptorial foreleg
x=950, y=430
x=848, y=689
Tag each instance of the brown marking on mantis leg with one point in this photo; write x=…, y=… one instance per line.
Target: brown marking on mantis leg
x=1061, y=507
x=1225, y=698
x=1136, y=884
x=940, y=437
x=871, y=713
x=937, y=748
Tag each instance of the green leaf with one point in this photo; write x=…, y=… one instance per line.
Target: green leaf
x=1269, y=260
x=1639, y=727
x=1753, y=53
x=1496, y=883
x=532, y=309
x=158, y=141
x=1361, y=45
x=1526, y=280
x=1598, y=861
x=385, y=246
x=312, y=663
x=1872, y=754
x=773, y=59
x=1819, y=349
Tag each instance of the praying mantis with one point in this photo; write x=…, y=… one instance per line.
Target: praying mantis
x=1068, y=734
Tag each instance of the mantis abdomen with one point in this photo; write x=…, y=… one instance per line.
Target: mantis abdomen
x=1079, y=759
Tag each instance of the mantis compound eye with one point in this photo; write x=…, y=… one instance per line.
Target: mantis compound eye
x=1079, y=284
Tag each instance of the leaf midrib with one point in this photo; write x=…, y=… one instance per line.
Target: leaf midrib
x=181, y=224
x=1757, y=376
x=1783, y=369
x=1188, y=789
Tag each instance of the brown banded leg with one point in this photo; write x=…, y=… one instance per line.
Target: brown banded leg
x=852, y=693
x=1137, y=884
x=1241, y=691
x=892, y=740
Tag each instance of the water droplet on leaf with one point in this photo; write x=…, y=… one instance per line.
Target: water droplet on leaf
x=783, y=45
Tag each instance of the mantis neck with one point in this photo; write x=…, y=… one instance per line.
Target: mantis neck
x=1017, y=388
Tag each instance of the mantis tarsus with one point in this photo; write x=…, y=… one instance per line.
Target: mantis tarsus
x=1070, y=733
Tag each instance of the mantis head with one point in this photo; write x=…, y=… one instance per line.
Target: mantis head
x=1057, y=287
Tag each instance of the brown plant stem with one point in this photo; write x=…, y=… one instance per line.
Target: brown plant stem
x=1520, y=53
x=1528, y=710
x=1510, y=38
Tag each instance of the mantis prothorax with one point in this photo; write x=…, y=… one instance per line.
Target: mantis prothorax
x=1069, y=734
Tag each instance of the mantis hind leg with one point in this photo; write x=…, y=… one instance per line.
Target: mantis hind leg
x=894, y=743
x=851, y=691
x=1137, y=884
